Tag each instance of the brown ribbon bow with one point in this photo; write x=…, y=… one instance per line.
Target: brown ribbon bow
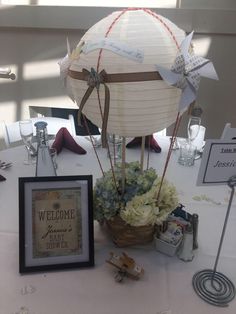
x=94, y=80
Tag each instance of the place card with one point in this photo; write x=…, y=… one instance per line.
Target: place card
x=218, y=162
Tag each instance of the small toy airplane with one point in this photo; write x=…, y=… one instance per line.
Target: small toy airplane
x=126, y=266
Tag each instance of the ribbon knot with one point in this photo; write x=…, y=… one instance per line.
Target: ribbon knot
x=94, y=79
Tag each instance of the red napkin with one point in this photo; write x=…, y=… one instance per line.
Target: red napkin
x=64, y=139
x=153, y=143
x=2, y=178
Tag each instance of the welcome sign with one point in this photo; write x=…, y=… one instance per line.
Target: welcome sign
x=218, y=162
x=56, y=222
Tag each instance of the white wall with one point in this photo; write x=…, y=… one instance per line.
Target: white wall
x=208, y=4
x=34, y=38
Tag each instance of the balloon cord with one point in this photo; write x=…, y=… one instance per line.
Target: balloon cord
x=172, y=141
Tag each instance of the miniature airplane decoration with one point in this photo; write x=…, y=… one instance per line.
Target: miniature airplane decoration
x=126, y=267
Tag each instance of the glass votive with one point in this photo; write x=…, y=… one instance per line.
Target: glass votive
x=187, y=152
x=53, y=153
x=115, y=146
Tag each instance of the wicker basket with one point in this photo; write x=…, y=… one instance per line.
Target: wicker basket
x=125, y=235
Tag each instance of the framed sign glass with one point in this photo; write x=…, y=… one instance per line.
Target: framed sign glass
x=55, y=223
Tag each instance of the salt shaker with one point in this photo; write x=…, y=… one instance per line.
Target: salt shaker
x=41, y=133
x=185, y=252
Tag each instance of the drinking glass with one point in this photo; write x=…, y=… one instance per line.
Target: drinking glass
x=26, y=132
x=187, y=152
x=193, y=128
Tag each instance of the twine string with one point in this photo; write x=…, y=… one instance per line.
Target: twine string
x=149, y=148
x=178, y=118
x=173, y=138
x=109, y=153
x=91, y=140
x=99, y=100
x=164, y=24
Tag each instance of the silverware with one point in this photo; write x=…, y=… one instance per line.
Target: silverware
x=5, y=165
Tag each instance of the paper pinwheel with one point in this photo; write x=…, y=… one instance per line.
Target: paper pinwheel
x=186, y=72
x=66, y=62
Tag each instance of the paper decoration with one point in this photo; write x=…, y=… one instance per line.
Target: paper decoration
x=186, y=71
x=115, y=46
x=135, y=108
x=66, y=62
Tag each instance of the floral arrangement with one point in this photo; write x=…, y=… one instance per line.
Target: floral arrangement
x=138, y=204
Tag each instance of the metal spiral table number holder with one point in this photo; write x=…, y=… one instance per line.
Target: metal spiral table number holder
x=212, y=286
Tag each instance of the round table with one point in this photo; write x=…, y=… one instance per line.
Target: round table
x=166, y=284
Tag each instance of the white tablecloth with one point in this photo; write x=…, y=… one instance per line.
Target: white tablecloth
x=166, y=284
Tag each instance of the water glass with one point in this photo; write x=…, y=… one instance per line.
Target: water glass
x=26, y=132
x=193, y=127
x=199, y=139
x=187, y=152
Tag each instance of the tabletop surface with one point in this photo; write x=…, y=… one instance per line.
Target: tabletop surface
x=166, y=286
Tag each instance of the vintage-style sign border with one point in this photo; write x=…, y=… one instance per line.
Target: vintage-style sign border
x=55, y=223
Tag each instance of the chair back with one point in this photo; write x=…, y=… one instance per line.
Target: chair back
x=11, y=131
x=228, y=132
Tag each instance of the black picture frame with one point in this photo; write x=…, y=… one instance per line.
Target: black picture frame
x=55, y=223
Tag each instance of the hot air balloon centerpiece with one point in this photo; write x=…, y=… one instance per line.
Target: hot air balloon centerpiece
x=132, y=74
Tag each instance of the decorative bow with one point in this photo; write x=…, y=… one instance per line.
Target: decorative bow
x=186, y=72
x=94, y=80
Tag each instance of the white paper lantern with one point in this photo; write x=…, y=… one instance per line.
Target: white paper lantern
x=136, y=108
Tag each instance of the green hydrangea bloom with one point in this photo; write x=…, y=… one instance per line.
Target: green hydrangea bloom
x=138, y=206
x=107, y=202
